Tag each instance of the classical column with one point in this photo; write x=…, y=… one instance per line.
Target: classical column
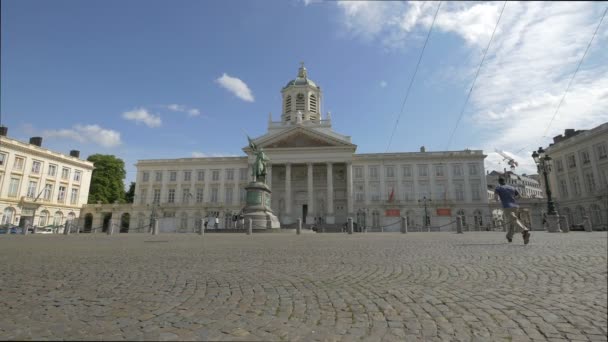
x=349, y=188
x=310, y=213
x=329, y=218
x=288, y=218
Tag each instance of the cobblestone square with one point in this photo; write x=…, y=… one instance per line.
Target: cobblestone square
x=327, y=287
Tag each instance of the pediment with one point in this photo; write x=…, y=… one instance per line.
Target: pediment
x=302, y=138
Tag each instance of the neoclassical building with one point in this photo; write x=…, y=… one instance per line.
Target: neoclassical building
x=39, y=187
x=315, y=174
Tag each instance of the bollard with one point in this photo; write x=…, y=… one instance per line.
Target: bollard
x=350, y=225
x=110, y=230
x=156, y=228
x=459, y=224
x=299, y=227
x=201, y=230
x=403, y=225
x=587, y=224
x=250, y=226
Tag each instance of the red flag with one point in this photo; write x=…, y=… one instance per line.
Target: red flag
x=390, y=197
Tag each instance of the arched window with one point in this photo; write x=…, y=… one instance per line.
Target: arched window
x=71, y=217
x=300, y=103
x=596, y=215
x=288, y=104
x=9, y=213
x=44, y=218
x=580, y=214
x=183, y=222
x=313, y=103
x=58, y=218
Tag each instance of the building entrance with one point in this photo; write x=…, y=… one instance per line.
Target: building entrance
x=304, y=213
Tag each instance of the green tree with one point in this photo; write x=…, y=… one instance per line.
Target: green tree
x=107, y=181
x=130, y=195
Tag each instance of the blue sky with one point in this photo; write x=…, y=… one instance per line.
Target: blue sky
x=169, y=79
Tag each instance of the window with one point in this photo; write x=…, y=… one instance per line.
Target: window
x=459, y=191
x=44, y=217
x=186, y=195
x=313, y=103
x=559, y=164
x=423, y=170
x=199, y=195
x=31, y=189
x=145, y=176
x=243, y=174
x=61, y=194
x=229, y=174
x=183, y=222
x=200, y=175
x=563, y=188
x=214, y=192
x=440, y=191
x=406, y=170
x=475, y=191
x=374, y=189
x=74, y=196
x=390, y=171
x=424, y=190
x=172, y=176
x=576, y=186
x=571, y=159
x=13, y=188
x=171, y=196
x=408, y=191
x=473, y=170
x=77, y=176
x=8, y=215
x=359, y=193
x=65, y=173
x=358, y=172
x=300, y=106
x=52, y=170
x=58, y=218
x=187, y=176
x=439, y=172
x=18, y=165
x=601, y=151
x=36, y=167
x=215, y=175
x=2, y=159
x=48, y=192
x=228, y=199
x=585, y=157
x=156, y=199
x=143, y=196
x=243, y=195
x=288, y=104
x=589, y=182
x=373, y=172
x=159, y=176
x=457, y=170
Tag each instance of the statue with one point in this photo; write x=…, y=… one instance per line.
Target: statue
x=259, y=165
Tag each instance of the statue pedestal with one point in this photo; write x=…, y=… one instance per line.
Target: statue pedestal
x=553, y=224
x=257, y=207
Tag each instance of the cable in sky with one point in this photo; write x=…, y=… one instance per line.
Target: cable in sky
x=475, y=79
x=407, y=93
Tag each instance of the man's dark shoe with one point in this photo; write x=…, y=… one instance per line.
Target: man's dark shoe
x=526, y=235
x=509, y=239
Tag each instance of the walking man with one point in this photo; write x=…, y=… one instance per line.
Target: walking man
x=507, y=195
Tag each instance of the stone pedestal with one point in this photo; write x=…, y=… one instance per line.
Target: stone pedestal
x=553, y=224
x=257, y=207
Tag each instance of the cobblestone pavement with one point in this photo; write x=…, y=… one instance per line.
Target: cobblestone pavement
x=328, y=287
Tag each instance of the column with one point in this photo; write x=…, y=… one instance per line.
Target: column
x=382, y=171
x=349, y=188
x=310, y=214
x=330, y=219
x=288, y=218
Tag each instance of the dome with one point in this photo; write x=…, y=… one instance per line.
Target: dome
x=301, y=79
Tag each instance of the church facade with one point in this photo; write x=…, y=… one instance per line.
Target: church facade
x=314, y=174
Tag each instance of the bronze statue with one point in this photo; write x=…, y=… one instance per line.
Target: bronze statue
x=258, y=169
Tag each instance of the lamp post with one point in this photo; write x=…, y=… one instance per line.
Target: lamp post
x=544, y=164
x=426, y=215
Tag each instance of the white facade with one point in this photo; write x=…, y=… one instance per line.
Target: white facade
x=39, y=187
x=579, y=177
x=527, y=186
x=315, y=174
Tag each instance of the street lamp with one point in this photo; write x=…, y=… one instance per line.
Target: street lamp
x=426, y=215
x=544, y=164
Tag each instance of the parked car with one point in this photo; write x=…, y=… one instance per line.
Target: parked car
x=11, y=229
x=3, y=231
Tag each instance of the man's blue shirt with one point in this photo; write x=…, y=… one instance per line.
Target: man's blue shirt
x=507, y=196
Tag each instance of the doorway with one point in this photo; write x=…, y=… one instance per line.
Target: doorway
x=304, y=212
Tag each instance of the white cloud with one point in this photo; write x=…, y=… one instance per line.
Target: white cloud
x=383, y=84
x=87, y=133
x=236, y=86
x=184, y=109
x=142, y=115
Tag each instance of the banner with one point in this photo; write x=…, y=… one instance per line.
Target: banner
x=444, y=212
x=392, y=213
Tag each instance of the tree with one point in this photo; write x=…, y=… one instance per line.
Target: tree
x=130, y=195
x=107, y=180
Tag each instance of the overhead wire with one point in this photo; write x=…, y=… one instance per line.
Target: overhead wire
x=407, y=93
x=475, y=78
x=571, y=79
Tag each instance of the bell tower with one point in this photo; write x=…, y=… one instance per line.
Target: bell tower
x=301, y=99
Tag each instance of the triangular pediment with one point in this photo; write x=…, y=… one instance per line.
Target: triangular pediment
x=302, y=137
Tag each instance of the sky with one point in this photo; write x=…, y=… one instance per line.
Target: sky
x=179, y=79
